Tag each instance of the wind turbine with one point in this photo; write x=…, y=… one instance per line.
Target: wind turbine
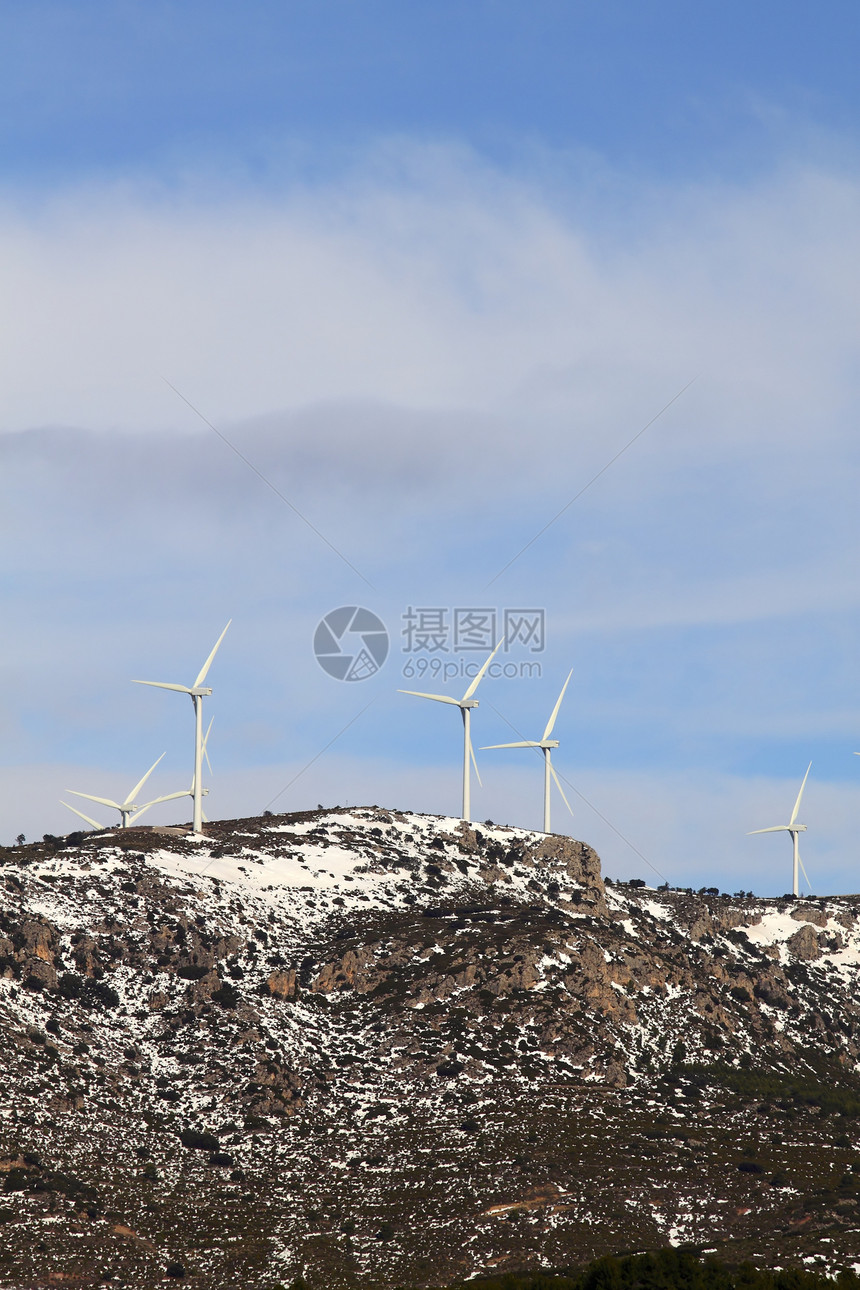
x=466, y=704
x=547, y=745
x=795, y=830
x=129, y=810
x=197, y=691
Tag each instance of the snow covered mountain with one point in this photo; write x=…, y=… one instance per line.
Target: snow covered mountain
x=366, y=1047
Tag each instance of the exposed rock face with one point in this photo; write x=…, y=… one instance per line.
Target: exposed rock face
x=804, y=944
x=372, y=1047
x=282, y=984
x=28, y=952
x=581, y=864
x=810, y=914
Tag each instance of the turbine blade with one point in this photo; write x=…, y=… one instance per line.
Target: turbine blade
x=440, y=698
x=800, y=795
x=135, y=815
x=473, y=687
x=165, y=685
x=523, y=743
x=805, y=874
x=139, y=785
x=205, y=742
x=551, y=722
x=89, y=819
x=201, y=675
x=774, y=828
x=168, y=797
x=102, y=801
x=475, y=763
x=559, y=787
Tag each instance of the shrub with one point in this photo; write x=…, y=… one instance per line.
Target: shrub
x=199, y=1141
x=227, y=996
x=89, y=993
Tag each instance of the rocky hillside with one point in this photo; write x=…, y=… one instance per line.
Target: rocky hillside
x=371, y=1048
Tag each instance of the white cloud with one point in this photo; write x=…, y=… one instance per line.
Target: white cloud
x=447, y=286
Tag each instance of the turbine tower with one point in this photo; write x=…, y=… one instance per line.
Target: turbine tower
x=197, y=691
x=547, y=745
x=129, y=810
x=466, y=704
x=795, y=830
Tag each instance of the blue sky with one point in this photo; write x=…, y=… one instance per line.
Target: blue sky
x=430, y=267
x=659, y=88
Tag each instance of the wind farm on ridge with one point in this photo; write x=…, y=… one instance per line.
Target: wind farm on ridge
x=130, y=809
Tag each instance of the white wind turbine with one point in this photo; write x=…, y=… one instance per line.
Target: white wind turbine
x=129, y=810
x=197, y=691
x=795, y=830
x=466, y=704
x=547, y=745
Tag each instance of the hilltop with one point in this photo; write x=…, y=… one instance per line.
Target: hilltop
x=367, y=1047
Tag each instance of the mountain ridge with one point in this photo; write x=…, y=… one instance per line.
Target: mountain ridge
x=369, y=1047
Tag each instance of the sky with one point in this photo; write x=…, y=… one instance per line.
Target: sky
x=476, y=316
